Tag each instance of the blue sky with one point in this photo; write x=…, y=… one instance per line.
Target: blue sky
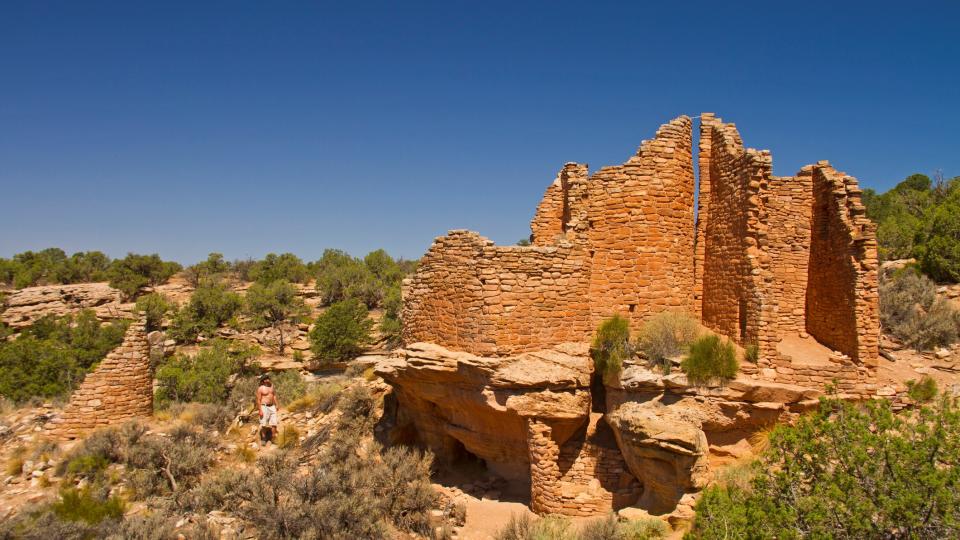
x=250, y=127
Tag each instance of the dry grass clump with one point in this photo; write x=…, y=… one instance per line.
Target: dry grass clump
x=665, y=335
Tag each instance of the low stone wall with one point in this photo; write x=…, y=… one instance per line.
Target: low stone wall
x=121, y=388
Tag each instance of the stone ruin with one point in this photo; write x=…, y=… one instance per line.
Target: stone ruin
x=119, y=389
x=762, y=258
x=496, y=363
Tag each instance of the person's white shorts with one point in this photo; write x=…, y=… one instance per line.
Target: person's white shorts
x=269, y=417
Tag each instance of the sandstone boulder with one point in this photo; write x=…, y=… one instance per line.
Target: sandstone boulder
x=665, y=448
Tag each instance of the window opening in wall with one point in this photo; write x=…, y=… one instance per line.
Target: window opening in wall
x=742, y=315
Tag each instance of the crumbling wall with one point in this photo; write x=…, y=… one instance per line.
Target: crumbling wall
x=119, y=389
x=842, y=299
x=641, y=229
x=561, y=214
x=474, y=296
x=735, y=265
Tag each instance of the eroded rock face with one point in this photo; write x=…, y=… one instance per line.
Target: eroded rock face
x=665, y=447
x=25, y=306
x=453, y=401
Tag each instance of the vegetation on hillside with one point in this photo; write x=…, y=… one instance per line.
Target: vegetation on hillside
x=846, y=471
x=274, y=305
x=911, y=310
x=49, y=358
x=920, y=218
x=211, y=306
x=341, y=331
x=205, y=376
x=52, y=266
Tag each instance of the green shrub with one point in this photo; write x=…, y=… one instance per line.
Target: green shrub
x=341, y=332
x=667, y=334
x=89, y=466
x=203, y=377
x=133, y=272
x=710, y=360
x=391, y=326
x=83, y=505
x=242, y=269
x=826, y=477
x=923, y=390
x=939, y=253
x=370, y=280
x=154, y=307
x=273, y=305
x=751, y=353
x=212, y=269
x=211, y=306
x=611, y=346
x=287, y=267
x=49, y=358
x=911, y=310
x=242, y=396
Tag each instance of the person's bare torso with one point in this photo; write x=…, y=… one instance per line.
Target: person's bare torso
x=267, y=397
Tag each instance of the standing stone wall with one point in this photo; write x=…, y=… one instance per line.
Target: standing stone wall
x=625, y=241
x=119, y=389
x=735, y=263
x=471, y=295
x=842, y=296
x=790, y=211
x=641, y=229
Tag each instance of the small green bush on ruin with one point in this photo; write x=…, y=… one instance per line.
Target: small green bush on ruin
x=710, y=360
x=611, y=347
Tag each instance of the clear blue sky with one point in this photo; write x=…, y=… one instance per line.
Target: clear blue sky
x=250, y=127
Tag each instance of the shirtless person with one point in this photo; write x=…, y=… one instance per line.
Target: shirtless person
x=267, y=405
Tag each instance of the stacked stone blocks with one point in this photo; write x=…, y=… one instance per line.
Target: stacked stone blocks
x=763, y=257
x=119, y=389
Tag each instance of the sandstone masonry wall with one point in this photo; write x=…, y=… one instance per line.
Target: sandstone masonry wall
x=119, y=389
x=842, y=297
x=735, y=265
x=471, y=295
x=790, y=210
x=766, y=257
x=641, y=229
